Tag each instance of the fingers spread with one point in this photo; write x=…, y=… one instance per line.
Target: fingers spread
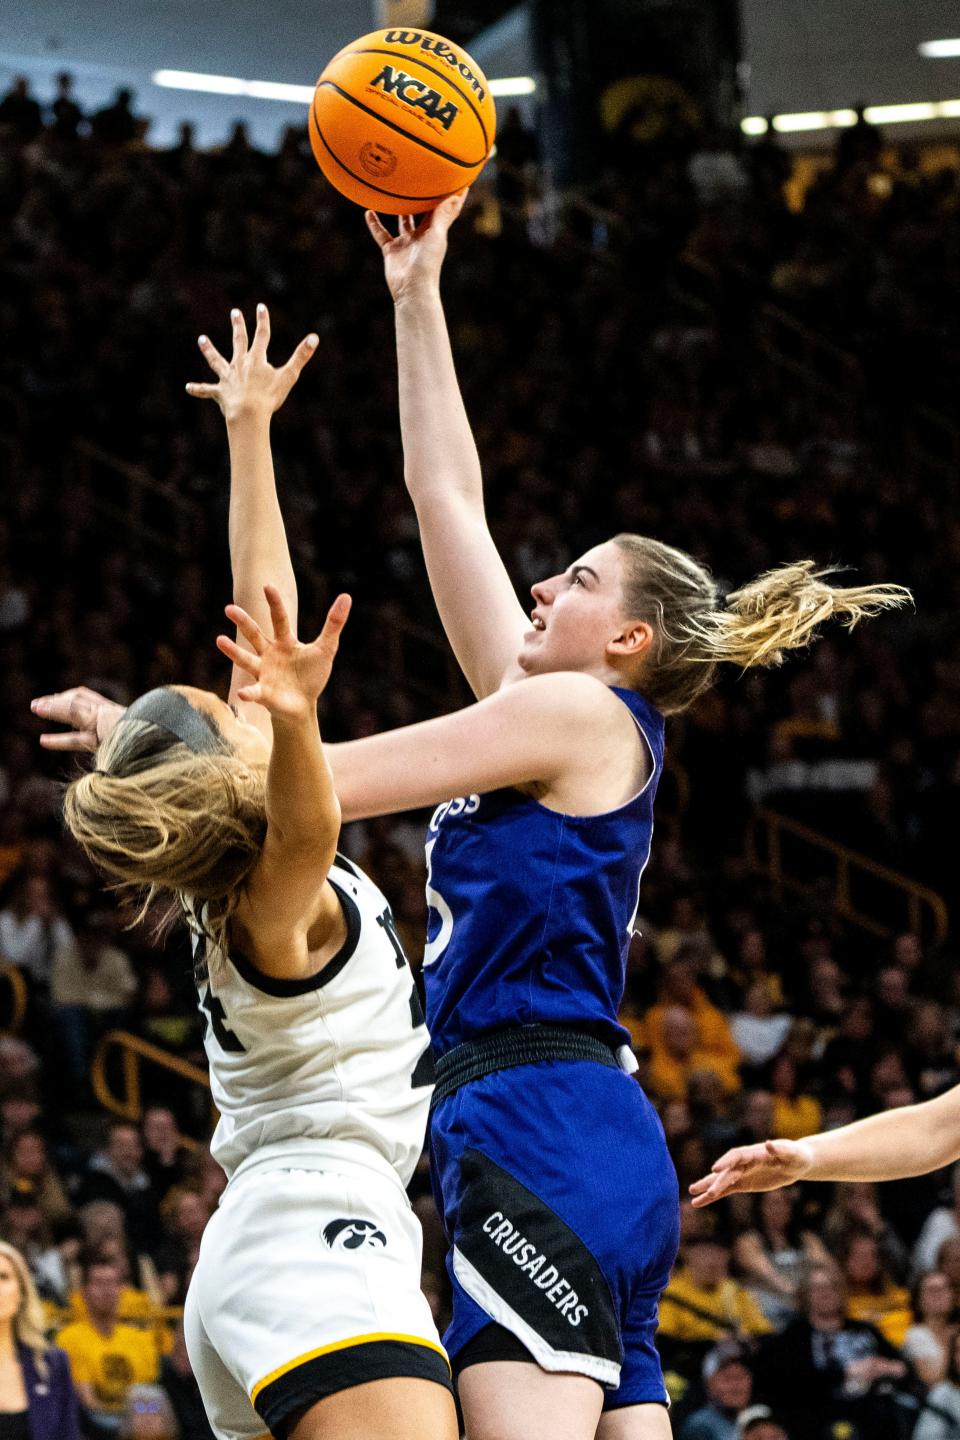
x=212, y=356
x=243, y=659
x=278, y=613
x=377, y=228
x=262, y=337
x=336, y=617
x=239, y=334
x=303, y=354
x=248, y=627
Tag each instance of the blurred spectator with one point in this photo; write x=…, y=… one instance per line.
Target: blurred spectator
x=856, y=1211
x=91, y=985
x=941, y=1224
x=757, y=1031
x=822, y=1369
x=186, y=1215
x=928, y=1343
x=149, y=1415
x=20, y=111
x=940, y=1413
x=758, y=1422
x=728, y=1381
x=117, y=1173
x=35, y=1384
x=105, y=1235
x=680, y=1045
x=872, y=1295
x=116, y=123
x=23, y=1222
x=165, y=1157
x=28, y=1160
x=31, y=929
x=177, y=1379
x=66, y=113
x=702, y=1304
x=794, y=1113
x=106, y=1357
x=773, y=1253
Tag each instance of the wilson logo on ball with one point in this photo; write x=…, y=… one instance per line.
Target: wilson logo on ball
x=441, y=49
x=416, y=94
x=352, y=1234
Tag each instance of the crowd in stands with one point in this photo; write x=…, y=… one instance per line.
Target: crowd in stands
x=613, y=359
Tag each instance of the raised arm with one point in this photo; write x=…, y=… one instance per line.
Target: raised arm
x=249, y=391
x=479, y=609
x=912, y=1140
x=287, y=896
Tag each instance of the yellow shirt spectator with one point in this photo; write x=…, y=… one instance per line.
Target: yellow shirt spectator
x=109, y=1364
x=135, y=1307
x=702, y=1304
x=713, y=1047
x=888, y=1312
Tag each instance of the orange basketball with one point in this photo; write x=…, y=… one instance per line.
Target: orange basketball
x=400, y=120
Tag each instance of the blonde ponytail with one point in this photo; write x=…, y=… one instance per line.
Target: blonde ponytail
x=782, y=610
x=695, y=629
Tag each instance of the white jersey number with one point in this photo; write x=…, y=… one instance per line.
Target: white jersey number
x=434, y=948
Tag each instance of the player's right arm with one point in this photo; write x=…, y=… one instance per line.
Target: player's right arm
x=481, y=615
x=896, y=1144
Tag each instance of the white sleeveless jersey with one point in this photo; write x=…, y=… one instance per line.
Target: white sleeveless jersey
x=338, y=1063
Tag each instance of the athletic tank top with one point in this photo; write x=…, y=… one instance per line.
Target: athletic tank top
x=530, y=911
x=302, y=1070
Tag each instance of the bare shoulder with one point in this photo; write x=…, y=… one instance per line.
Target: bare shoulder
x=566, y=697
x=607, y=761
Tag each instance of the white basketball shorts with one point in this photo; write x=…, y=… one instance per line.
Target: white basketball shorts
x=308, y=1283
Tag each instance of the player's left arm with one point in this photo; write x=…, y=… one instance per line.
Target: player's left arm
x=894, y=1145
x=249, y=391
x=287, y=895
x=534, y=733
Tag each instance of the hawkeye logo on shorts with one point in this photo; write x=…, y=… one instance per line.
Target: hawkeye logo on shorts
x=415, y=94
x=352, y=1234
x=534, y=1264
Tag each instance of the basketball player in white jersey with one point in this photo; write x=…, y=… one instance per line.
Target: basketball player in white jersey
x=304, y=1316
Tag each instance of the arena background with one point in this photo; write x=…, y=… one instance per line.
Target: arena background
x=699, y=293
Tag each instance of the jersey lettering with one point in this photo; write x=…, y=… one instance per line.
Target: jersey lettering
x=218, y=1023
x=389, y=927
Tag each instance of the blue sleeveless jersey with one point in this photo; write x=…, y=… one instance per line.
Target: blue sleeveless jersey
x=531, y=911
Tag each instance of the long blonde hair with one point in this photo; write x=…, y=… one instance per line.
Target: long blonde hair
x=30, y=1322
x=171, y=824
x=696, y=629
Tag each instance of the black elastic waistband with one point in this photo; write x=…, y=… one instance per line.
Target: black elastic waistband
x=505, y=1049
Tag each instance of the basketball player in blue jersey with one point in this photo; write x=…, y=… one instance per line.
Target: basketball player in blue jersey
x=550, y=1166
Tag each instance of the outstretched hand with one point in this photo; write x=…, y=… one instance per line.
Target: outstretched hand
x=750, y=1168
x=89, y=716
x=288, y=677
x=247, y=383
x=413, y=258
